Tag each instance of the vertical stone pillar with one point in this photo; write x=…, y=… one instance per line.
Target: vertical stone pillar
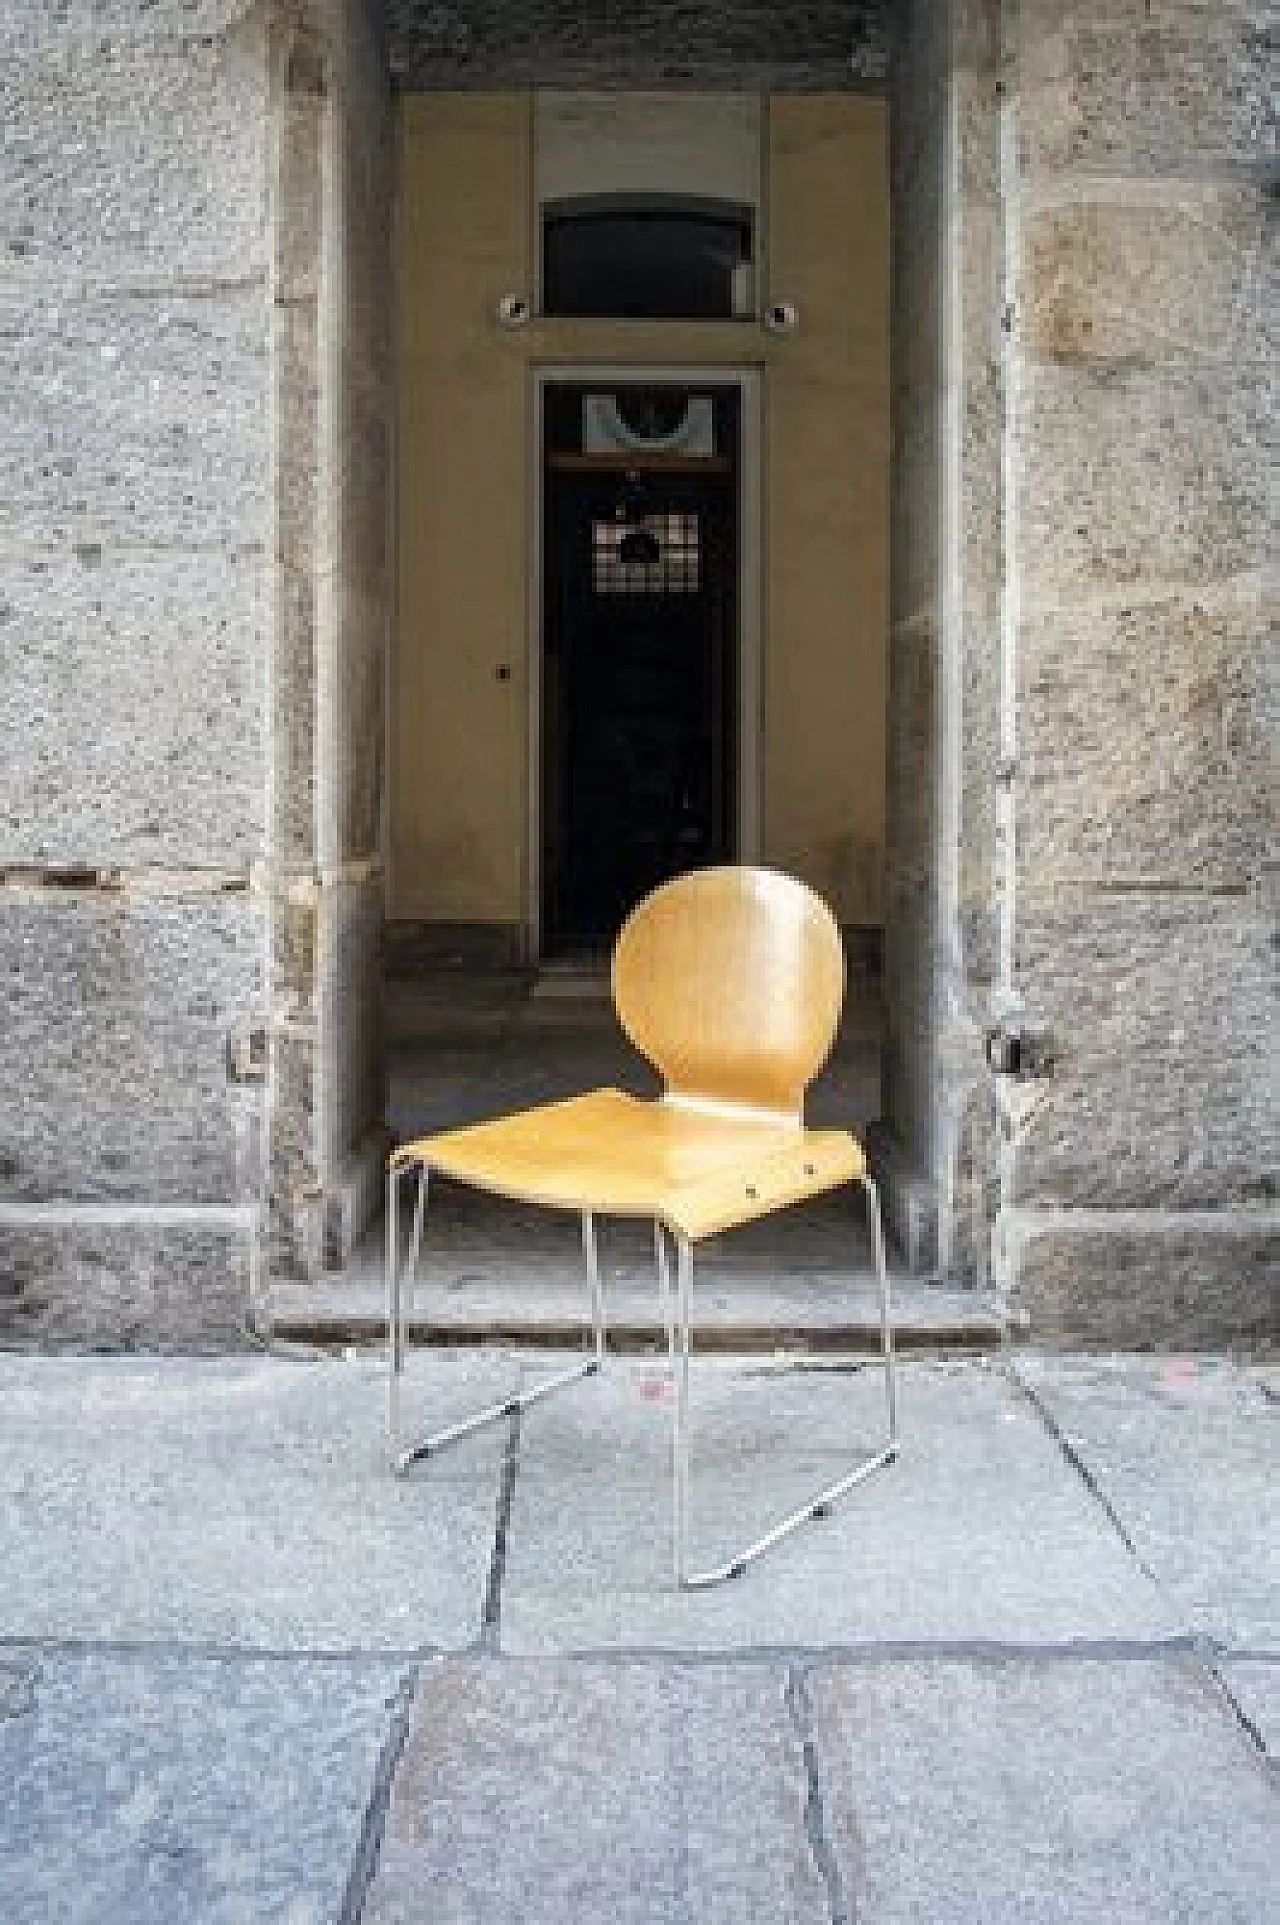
x=946, y=600
x=330, y=461
x=301, y=82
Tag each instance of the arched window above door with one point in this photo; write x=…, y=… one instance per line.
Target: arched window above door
x=634, y=258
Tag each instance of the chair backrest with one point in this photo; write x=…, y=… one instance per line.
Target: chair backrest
x=730, y=982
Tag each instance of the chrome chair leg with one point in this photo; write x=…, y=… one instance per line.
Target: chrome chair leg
x=399, y=1304
x=677, y=1432
x=593, y=1278
x=400, y=1297
x=817, y=1506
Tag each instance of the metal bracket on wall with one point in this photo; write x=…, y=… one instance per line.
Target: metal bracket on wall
x=1021, y=1053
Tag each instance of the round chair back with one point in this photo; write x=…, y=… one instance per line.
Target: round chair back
x=730, y=982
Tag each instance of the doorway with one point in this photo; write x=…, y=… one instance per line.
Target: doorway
x=641, y=543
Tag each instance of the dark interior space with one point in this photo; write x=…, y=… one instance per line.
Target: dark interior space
x=640, y=630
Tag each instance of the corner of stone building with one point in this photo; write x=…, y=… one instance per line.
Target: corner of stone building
x=330, y=200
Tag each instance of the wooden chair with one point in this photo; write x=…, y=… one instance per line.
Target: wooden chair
x=730, y=982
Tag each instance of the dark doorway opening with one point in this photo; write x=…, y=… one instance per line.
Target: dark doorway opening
x=640, y=647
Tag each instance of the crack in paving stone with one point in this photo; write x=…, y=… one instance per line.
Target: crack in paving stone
x=491, y=1616
x=800, y=1711
x=1206, y=1652
x=1251, y=1729
x=1078, y=1465
x=369, y=1845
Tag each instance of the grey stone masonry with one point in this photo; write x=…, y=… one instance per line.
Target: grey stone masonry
x=1083, y=692
x=1142, y=344
x=555, y=43
x=134, y=470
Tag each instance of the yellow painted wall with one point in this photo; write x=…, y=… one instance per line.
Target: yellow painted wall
x=459, y=775
x=457, y=724
x=826, y=482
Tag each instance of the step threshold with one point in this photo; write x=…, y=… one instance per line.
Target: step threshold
x=749, y=1314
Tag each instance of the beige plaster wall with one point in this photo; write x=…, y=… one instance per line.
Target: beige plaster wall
x=826, y=492
x=457, y=731
x=460, y=679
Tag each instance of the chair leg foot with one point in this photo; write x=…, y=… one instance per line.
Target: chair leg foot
x=399, y=1304
x=816, y=1507
x=507, y=1407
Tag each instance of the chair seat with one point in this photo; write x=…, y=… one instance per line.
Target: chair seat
x=698, y=1170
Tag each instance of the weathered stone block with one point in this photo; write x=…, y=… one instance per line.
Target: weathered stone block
x=129, y=162
x=131, y=705
x=24, y=23
x=118, y=1015
x=137, y=421
x=1146, y=741
x=293, y=736
x=296, y=1195
x=298, y=227
x=350, y=988
x=1142, y=474
x=295, y=376
x=1124, y=1288
x=552, y=43
x=1120, y=89
x=353, y=786
x=1162, y=1009
x=916, y=557
x=294, y=951
x=1182, y=278
x=977, y=123
x=126, y=1286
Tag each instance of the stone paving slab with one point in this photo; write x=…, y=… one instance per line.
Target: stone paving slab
x=145, y=1790
x=1188, y=1452
x=638, y=1793
x=1052, y=1793
x=245, y=1503
x=979, y=1532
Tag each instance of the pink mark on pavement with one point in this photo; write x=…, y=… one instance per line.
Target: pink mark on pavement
x=1179, y=1374
x=654, y=1390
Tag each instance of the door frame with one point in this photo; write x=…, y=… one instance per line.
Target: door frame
x=750, y=676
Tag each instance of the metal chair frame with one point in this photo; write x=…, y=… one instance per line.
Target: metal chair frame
x=676, y=1317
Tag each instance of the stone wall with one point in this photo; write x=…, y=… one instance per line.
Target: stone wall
x=1139, y=1200
x=193, y=380
x=134, y=388
x=1083, y=698
x=655, y=43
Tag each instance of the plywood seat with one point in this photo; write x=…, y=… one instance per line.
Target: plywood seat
x=694, y=1169
x=730, y=982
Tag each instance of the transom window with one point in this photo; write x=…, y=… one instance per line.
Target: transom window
x=668, y=259
x=647, y=555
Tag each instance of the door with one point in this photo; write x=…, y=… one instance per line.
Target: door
x=640, y=651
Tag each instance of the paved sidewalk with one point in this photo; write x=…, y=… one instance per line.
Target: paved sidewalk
x=1030, y=1673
